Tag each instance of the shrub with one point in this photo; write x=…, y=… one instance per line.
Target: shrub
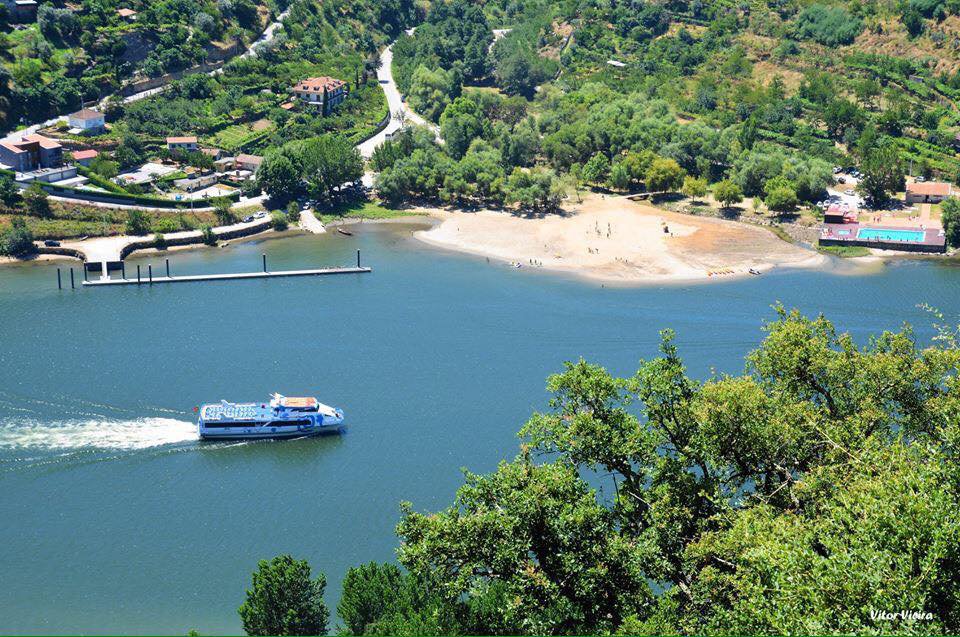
x=209, y=237
x=159, y=241
x=17, y=240
x=167, y=224
x=37, y=201
x=137, y=223
x=280, y=221
x=830, y=26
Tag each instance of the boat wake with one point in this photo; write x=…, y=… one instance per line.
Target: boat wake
x=95, y=433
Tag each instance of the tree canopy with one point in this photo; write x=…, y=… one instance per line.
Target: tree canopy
x=796, y=497
x=284, y=600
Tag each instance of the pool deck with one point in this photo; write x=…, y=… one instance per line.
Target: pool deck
x=933, y=239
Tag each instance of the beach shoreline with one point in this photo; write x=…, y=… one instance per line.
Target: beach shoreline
x=616, y=240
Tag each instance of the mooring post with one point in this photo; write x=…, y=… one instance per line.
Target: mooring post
x=138, y=274
x=358, y=258
x=84, y=271
x=168, y=268
x=72, y=286
x=59, y=283
x=123, y=270
x=150, y=273
x=264, y=261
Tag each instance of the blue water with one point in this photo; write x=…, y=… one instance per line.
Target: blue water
x=116, y=520
x=916, y=236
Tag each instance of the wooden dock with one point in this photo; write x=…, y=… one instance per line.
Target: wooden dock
x=152, y=280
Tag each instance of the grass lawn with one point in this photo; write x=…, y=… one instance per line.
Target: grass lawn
x=232, y=137
x=846, y=252
x=362, y=210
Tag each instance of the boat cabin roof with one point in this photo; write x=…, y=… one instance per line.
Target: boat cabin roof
x=298, y=402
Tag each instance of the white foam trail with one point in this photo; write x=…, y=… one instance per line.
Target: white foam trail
x=141, y=433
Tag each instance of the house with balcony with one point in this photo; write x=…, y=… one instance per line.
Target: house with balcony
x=322, y=92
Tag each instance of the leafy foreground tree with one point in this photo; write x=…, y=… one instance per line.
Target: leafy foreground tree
x=810, y=494
x=284, y=600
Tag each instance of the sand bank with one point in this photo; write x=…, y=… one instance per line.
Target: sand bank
x=617, y=240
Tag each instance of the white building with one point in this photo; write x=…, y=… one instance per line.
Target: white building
x=87, y=120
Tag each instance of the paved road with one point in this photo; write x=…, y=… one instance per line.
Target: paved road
x=399, y=111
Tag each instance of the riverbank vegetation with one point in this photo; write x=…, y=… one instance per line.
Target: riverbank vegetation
x=77, y=53
x=792, y=498
x=768, y=98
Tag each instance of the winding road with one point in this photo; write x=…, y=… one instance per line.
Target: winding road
x=399, y=111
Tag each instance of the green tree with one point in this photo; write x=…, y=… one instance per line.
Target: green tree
x=597, y=169
x=280, y=221
x=138, y=223
x=664, y=175
x=284, y=600
x=9, y=193
x=328, y=162
x=370, y=591
x=37, y=201
x=278, y=177
x=159, y=241
x=694, y=187
x=727, y=193
x=431, y=91
x=104, y=167
x=950, y=218
x=796, y=497
x=222, y=208
x=882, y=173
x=780, y=194
x=17, y=240
x=781, y=199
x=619, y=176
x=461, y=122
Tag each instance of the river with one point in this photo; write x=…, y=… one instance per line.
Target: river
x=115, y=519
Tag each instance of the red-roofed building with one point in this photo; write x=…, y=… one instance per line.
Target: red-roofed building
x=312, y=90
x=928, y=191
x=84, y=157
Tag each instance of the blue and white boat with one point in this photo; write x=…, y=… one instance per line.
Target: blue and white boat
x=282, y=417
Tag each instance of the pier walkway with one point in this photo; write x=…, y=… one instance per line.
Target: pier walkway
x=151, y=280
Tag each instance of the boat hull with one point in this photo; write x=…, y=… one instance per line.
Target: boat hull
x=264, y=433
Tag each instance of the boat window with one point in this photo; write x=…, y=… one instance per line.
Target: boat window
x=289, y=423
x=227, y=423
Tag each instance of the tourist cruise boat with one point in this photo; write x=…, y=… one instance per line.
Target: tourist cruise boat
x=282, y=417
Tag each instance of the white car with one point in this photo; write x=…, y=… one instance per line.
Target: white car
x=848, y=192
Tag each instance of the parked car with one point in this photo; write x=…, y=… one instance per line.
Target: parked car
x=50, y=243
x=248, y=219
x=260, y=215
x=841, y=180
x=920, y=179
x=848, y=192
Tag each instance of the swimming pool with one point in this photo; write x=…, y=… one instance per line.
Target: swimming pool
x=904, y=236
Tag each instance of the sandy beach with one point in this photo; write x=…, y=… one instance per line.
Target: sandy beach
x=617, y=240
